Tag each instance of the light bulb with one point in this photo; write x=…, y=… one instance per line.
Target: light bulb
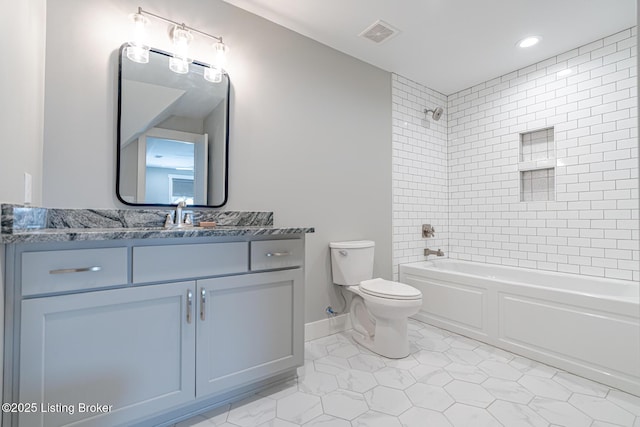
x=220, y=58
x=137, y=50
x=213, y=72
x=179, y=63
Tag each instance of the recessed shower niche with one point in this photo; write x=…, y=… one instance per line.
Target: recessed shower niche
x=537, y=161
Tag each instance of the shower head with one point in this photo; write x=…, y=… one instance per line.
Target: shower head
x=436, y=113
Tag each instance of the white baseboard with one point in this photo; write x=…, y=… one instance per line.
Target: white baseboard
x=325, y=327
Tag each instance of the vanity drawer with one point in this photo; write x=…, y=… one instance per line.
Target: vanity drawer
x=71, y=270
x=270, y=254
x=160, y=263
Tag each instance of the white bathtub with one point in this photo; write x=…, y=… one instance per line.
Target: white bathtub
x=588, y=326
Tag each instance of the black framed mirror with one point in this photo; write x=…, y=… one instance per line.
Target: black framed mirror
x=173, y=134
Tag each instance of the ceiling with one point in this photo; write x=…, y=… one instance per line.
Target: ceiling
x=450, y=45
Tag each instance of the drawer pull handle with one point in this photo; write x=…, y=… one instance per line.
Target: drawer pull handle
x=189, y=305
x=278, y=253
x=75, y=270
x=203, y=301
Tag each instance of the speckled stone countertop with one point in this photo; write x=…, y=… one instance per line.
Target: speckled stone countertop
x=23, y=224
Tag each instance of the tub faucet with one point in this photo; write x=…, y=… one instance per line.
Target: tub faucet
x=428, y=252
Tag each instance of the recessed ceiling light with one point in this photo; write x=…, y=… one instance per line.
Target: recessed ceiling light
x=529, y=41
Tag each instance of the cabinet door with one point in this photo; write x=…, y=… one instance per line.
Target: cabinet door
x=251, y=328
x=130, y=348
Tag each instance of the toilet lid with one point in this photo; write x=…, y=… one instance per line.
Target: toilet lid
x=388, y=289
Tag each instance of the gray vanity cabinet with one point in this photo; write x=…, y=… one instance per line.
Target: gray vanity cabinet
x=154, y=330
x=131, y=348
x=248, y=328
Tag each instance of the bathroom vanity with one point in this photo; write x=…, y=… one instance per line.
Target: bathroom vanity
x=143, y=326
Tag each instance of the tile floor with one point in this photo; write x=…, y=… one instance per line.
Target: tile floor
x=448, y=380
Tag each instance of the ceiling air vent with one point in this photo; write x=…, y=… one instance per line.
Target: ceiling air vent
x=379, y=32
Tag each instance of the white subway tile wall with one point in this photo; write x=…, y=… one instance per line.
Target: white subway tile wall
x=592, y=226
x=419, y=145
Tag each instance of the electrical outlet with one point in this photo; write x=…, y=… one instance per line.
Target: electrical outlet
x=28, y=188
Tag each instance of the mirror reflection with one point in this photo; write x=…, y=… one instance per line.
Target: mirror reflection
x=172, y=134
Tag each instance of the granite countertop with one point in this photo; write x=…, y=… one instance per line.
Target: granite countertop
x=22, y=224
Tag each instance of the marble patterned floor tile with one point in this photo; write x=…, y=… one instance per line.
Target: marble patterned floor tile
x=580, y=385
x=462, y=415
x=317, y=383
x=531, y=367
x=406, y=363
x=601, y=409
x=331, y=365
x=358, y=381
x=387, y=400
x=394, y=378
x=344, y=404
x=447, y=381
x=467, y=373
x=510, y=391
x=420, y=417
x=560, y=413
x=544, y=387
x=429, y=397
x=366, y=362
x=431, y=375
x=493, y=353
x=299, y=408
x=463, y=356
x=500, y=370
x=213, y=418
x=376, y=419
x=516, y=415
x=277, y=422
x=327, y=421
x=432, y=344
x=625, y=400
x=469, y=394
x=252, y=411
x=432, y=358
x=281, y=390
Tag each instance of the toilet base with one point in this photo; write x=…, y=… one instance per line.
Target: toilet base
x=390, y=339
x=383, y=336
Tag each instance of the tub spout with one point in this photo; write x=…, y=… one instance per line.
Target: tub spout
x=428, y=252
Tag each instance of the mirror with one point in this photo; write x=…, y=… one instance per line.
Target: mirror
x=173, y=134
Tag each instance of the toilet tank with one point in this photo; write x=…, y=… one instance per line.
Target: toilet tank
x=351, y=262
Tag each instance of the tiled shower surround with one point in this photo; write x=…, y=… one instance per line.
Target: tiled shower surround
x=592, y=226
x=419, y=170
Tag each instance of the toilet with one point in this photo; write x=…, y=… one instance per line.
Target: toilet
x=379, y=308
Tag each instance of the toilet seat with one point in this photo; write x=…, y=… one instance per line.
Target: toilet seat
x=390, y=290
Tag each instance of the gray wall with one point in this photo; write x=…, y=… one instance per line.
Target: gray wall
x=22, y=93
x=310, y=127
x=21, y=109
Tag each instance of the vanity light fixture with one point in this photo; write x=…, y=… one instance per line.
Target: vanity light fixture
x=138, y=51
x=181, y=35
x=214, y=72
x=529, y=41
x=179, y=63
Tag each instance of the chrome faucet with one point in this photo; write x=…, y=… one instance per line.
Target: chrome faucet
x=428, y=252
x=178, y=218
